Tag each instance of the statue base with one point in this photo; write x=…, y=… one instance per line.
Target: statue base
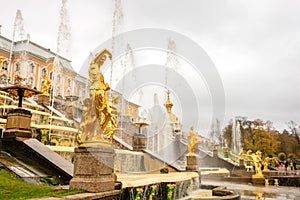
x=215, y=153
x=266, y=170
x=139, y=142
x=226, y=154
x=94, y=169
x=241, y=163
x=18, y=124
x=258, y=179
x=191, y=163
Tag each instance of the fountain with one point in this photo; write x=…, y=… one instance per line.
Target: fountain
x=139, y=139
x=19, y=120
x=236, y=137
x=94, y=154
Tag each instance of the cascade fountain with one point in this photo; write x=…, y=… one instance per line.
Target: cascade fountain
x=236, y=137
x=62, y=47
x=142, y=186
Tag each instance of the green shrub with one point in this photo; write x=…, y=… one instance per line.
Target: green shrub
x=282, y=156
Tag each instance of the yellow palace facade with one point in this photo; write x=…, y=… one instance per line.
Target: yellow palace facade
x=54, y=123
x=39, y=61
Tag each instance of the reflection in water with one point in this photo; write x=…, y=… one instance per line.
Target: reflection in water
x=258, y=196
x=249, y=191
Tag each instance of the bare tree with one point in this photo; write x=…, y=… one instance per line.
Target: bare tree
x=293, y=127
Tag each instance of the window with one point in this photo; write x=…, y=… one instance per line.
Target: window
x=32, y=68
x=69, y=82
x=51, y=75
x=30, y=81
x=44, y=71
x=5, y=65
x=17, y=67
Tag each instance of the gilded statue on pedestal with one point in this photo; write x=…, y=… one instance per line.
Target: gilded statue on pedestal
x=256, y=157
x=192, y=140
x=98, y=122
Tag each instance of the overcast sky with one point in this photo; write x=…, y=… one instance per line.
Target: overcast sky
x=254, y=44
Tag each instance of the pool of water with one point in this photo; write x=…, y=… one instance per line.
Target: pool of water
x=249, y=191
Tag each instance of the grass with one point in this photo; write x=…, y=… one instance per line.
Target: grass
x=12, y=187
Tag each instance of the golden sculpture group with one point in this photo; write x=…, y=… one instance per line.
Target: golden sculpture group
x=98, y=122
x=257, y=161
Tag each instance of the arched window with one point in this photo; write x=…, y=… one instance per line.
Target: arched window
x=5, y=65
x=51, y=75
x=44, y=71
x=32, y=68
x=17, y=68
x=30, y=81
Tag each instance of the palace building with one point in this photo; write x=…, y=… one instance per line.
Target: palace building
x=56, y=120
x=32, y=61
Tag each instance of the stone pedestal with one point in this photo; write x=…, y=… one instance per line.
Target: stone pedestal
x=258, y=179
x=94, y=169
x=226, y=154
x=191, y=163
x=139, y=142
x=215, y=153
x=44, y=99
x=18, y=124
x=242, y=164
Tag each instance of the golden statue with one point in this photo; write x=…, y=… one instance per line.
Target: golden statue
x=256, y=157
x=266, y=163
x=46, y=85
x=98, y=122
x=168, y=104
x=192, y=140
x=109, y=123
